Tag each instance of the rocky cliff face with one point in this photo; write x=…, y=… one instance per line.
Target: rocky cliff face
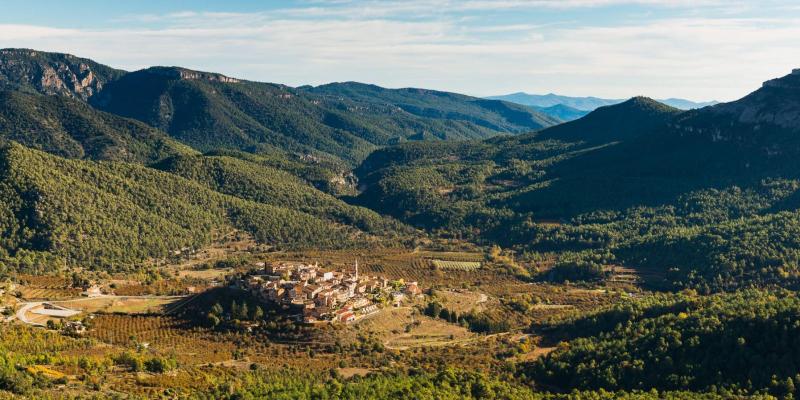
x=763, y=127
x=772, y=109
x=53, y=73
x=776, y=103
x=187, y=74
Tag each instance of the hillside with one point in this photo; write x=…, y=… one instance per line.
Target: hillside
x=53, y=73
x=497, y=171
x=71, y=128
x=706, y=198
x=267, y=185
x=209, y=111
x=644, y=153
x=737, y=143
x=754, y=120
x=739, y=343
x=114, y=215
x=620, y=122
x=472, y=117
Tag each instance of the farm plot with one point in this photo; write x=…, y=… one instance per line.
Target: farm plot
x=165, y=287
x=456, y=265
x=46, y=287
x=191, y=345
x=32, y=293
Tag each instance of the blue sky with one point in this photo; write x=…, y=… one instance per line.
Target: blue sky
x=696, y=49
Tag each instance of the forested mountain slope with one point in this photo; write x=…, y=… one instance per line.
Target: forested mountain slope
x=639, y=152
x=465, y=116
x=209, y=111
x=72, y=128
x=418, y=178
x=264, y=184
x=608, y=124
x=738, y=344
x=738, y=143
x=112, y=215
x=706, y=198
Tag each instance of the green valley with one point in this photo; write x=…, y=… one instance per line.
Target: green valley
x=172, y=233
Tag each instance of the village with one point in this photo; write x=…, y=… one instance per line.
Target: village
x=325, y=296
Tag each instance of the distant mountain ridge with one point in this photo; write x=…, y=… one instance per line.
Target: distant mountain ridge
x=552, y=99
x=586, y=104
x=345, y=121
x=562, y=112
x=342, y=122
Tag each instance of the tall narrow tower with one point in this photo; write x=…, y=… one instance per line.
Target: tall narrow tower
x=356, y=269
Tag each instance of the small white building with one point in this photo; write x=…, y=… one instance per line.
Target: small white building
x=93, y=291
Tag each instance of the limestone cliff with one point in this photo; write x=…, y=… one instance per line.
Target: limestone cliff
x=53, y=73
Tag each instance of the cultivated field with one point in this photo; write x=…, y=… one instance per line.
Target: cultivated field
x=46, y=287
x=456, y=265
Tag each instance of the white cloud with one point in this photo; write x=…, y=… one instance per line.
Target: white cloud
x=698, y=58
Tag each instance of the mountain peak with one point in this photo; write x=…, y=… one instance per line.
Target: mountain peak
x=53, y=73
x=791, y=81
x=617, y=122
x=646, y=103
x=775, y=104
x=180, y=73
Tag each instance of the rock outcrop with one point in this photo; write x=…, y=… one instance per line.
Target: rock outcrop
x=53, y=73
x=187, y=74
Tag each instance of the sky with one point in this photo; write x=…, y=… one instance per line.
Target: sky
x=695, y=49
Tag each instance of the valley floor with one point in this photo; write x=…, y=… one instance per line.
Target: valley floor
x=128, y=317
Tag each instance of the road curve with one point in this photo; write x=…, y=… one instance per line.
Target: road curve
x=20, y=314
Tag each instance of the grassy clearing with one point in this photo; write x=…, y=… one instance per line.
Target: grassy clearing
x=462, y=301
x=120, y=305
x=404, y=328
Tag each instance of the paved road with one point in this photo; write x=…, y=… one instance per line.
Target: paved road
x=24, y=310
